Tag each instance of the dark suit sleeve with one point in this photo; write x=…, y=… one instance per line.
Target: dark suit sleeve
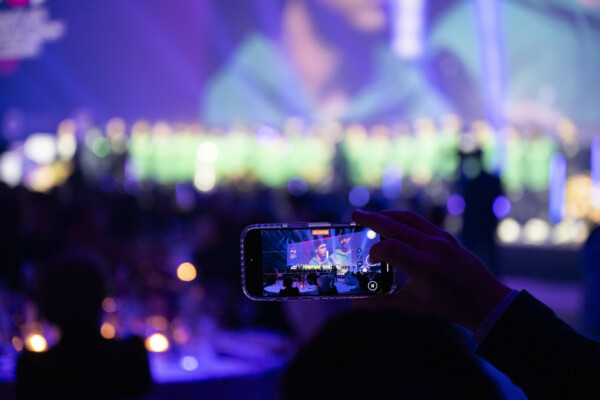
x=542, y=354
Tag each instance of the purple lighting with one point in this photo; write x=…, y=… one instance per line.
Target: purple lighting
x=359, y=196
x=557, y=190
x=297, y=186
x=185, y=196
x=501, y=207
x=391, y=182
x=595, y=171
x=455, y=204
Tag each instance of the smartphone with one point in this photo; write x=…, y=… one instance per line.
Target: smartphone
x=311, y=261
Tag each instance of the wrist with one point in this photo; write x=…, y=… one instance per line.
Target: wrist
x=487, y=300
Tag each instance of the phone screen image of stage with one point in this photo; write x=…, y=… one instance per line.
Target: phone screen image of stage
x=319, y=262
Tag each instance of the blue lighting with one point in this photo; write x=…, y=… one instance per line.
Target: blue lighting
x=391, y=182
x=501, y=207
x=189, y=363
x=455, y=204
x=297, y=186
x=359, y=196
x=557, y=189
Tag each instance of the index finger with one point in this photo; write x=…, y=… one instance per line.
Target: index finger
x=419, y=223
x=389, y=228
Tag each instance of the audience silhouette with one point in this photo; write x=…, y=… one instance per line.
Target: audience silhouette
x=288, y=288
x=387, y=354
x=83, y=364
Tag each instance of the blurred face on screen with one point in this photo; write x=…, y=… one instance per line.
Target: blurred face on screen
x=322, y=250
x=345, y=243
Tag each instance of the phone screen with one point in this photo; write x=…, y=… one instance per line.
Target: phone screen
x=317, y=261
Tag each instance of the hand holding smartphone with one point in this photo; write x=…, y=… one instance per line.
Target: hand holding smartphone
x=311, y=261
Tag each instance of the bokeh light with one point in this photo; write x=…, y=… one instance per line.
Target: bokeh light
x=158, y=322
x=11, y=169
x=101, y=146
x=40, y=148
x=107, y=330
x=205, y=179
x=359, y=196
x=266, y=136
x=468, y=142
x=66, y=145
x=189, y=363
x=17, y=343
x=41, y=179
x=501, y=207
x=186, y=272
x=181, y=335
x=371, y=234
x=36, y=342
x=109, y=305
x=455, y=204
x=208, y=152
x=508, y=230
x=557, y=188
x=297, y=186
x=536, y=231
x=157, y=343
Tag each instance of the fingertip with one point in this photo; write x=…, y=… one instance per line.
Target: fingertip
x=358, y=213
x=374, y=252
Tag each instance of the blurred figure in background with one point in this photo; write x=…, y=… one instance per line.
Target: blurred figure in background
x=83, y=364
x=590, y=259
x=480, y=189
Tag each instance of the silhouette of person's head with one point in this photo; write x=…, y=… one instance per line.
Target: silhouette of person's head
x=324, y=282
x=71, y=292
x=387, y=354
x=288, y=281
x=83, y=365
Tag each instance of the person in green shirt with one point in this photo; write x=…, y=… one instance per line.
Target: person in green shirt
x=342, y=257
